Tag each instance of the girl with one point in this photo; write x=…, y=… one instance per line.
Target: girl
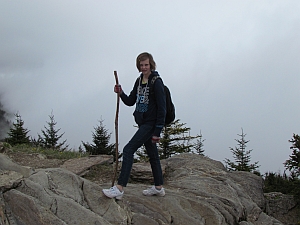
x=150, y=115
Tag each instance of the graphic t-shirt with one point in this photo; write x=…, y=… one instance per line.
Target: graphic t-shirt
x=142, y=99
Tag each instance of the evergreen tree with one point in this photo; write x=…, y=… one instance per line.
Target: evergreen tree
x=100, y=144
x=293, y=163
x=80, y=149
x=142, y=155
x=18, y=134
x=175, y=139
x=50, y=138
x=287, y=184
x=199, y=145
x=274, y=182
x=242, y=157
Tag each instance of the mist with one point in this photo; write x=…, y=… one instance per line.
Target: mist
x=5, y=123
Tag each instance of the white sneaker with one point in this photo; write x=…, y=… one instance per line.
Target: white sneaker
x=113, y=192
x=154, y=191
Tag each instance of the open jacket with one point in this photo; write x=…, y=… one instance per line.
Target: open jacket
x=150, y=102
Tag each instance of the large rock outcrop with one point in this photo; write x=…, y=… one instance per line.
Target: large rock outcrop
x=198, y=191
x=283, y=207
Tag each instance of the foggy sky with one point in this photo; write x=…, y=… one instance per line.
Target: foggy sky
x=230, y=65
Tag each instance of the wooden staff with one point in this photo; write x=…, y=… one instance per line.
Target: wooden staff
x=116, y=130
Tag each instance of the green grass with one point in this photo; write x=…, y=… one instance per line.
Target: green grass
x=49, y=153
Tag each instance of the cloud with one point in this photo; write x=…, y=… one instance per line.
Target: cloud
x=4, y=121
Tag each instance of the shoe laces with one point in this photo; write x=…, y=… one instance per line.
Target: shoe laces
x=113, y=189
x=152, y=190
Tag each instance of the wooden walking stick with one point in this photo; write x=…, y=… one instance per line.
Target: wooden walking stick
x=116, y=130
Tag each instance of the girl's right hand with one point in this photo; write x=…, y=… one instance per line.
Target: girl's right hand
x=118, y=89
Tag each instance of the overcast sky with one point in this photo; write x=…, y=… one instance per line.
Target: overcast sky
x=229, y=65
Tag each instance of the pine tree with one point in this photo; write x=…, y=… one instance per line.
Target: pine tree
x=50, y=138
x=18, y=134
x=142, y=155
x=275, y=182
x=242, y=157
x=293, y=163
x=175, y=139
x=100, y=145
x=199, y=145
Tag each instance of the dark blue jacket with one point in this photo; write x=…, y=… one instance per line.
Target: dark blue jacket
x=150, y=107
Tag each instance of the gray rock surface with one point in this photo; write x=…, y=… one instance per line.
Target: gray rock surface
x=282, y=207
x=81, y=166
x=7, y=164
x=199, y=190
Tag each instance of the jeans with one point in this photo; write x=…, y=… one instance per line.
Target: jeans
x=142, y=136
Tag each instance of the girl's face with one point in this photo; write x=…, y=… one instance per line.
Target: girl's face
x=145, y=67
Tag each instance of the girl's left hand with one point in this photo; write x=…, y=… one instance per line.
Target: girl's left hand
x=155, y=139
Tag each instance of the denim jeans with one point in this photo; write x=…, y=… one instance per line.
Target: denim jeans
x=142, y=136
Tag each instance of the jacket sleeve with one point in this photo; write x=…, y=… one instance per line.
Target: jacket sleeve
x=130, y=99
x=160, y=99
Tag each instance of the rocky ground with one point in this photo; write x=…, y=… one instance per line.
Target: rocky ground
x=231, y=198
x=34, y=160
x=99, y=174
x=199, y=191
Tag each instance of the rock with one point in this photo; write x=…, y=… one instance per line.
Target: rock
x=199, y=190
x=141, y=172
x=35, y=160
x=282, y=207
x=80, y=166
x=4, y=146
x=253, y=185
x=208, y=180
x=9, y=180
x=7, y=164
